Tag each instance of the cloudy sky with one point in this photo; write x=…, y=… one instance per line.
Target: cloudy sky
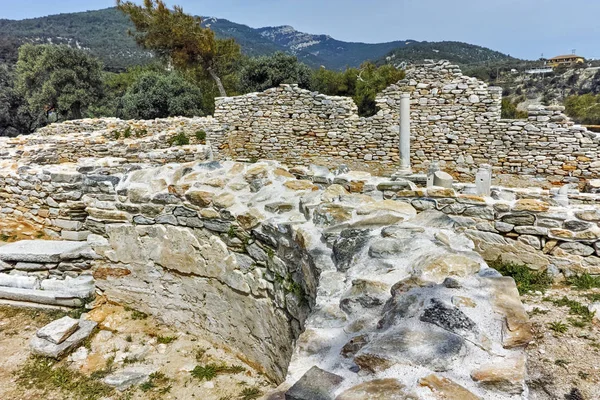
x=521, y=28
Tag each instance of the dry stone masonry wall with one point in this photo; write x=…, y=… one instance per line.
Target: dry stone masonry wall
x=455, y=119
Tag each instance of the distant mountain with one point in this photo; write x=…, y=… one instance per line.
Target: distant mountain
x=104, y=33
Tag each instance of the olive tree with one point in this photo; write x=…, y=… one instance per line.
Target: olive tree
x=58, y=79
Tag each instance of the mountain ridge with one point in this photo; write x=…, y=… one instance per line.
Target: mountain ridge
x=104, y=33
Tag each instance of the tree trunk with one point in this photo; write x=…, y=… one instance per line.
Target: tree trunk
x=217, y=80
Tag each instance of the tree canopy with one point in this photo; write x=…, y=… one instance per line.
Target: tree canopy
x=362, y=84
x=181, y=40
x=159, y=95
x=15, y=115
x=58, y=78
x=264, y=72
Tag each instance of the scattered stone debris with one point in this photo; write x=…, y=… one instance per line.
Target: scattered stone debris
x=44, y=343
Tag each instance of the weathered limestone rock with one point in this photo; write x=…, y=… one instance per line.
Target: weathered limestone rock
x=576, y=248
x=299, y=185
x=59, y=330
x=331, y=214
x=40, y=251
x=517, y=330
x=493, y=247
x=507, y=376
x=519, y=219
x=46, y=348
x=431, y=348
x=377, y=389
x=446, y=389
x=122, y=380
x=531, y=205
x=440, y=268
x=448, y=318
x=316, y=384
x=199, y=198
x=389, y=205
x=348, y=247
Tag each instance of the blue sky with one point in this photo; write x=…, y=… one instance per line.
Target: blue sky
x=522, y=28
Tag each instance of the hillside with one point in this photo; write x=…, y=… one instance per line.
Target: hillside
x=456, y=52
x=104, y=33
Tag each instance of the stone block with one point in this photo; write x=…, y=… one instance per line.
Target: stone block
x=40, y=251
x=46, y=348
x=28, y=266
x=505, y=375
x=78, y=236
x=67, y=224
x=58, y=331
x=316, y=384
x=123, y=380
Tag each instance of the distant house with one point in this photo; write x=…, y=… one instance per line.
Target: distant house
x=567, y=60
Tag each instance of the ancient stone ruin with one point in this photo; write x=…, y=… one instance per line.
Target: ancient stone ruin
x=337, y=283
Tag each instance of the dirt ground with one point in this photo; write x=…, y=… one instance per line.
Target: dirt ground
x=126, y=340
x=566, y=352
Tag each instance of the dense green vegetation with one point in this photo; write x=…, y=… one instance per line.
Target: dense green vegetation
x=57, y=83
x=258, y=74
x=58, y=79
x=527, y=280
x=584, y=109
x=173, y=63
x=158, y=95
x=509, y=110
x=361, y=84
x=104, y=32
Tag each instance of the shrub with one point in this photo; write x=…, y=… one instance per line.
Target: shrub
x=160, y=95
x=180, y=139
x=509, y=110
x=200, y=135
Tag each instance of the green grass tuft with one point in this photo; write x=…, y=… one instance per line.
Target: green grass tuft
x=250, y=394
x=165, y=339
x=155, y=381
x=210, y=371
x=575, y=308
x=180, y=139
x=585, y=281
x=137, y=315
x=526, y=279
x=558, y=327
x=45, y=374
x=200, y=135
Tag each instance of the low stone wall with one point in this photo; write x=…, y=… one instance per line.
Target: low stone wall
x=129, y=141
x=47, y=272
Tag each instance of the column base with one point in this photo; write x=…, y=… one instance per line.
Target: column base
x=402, y=172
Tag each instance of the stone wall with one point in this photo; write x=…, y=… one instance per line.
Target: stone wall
x=455, y=120
x=129, y=141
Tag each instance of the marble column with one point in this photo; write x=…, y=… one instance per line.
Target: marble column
x=404, y=146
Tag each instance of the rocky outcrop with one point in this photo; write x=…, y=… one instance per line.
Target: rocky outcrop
x=359, y=282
